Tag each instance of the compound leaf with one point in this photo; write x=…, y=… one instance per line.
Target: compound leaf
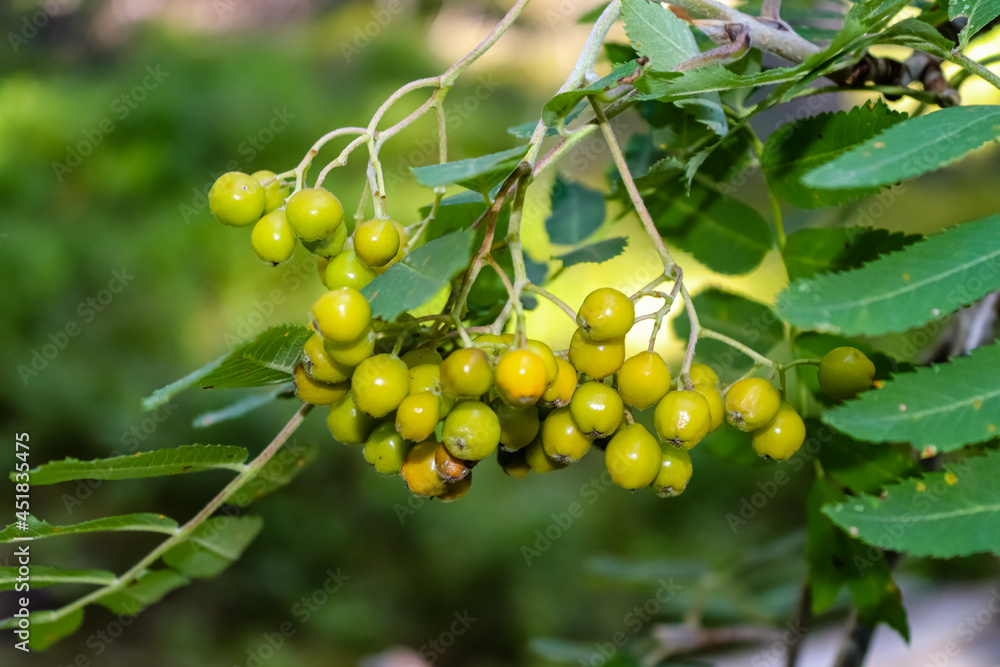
x=268, y=359
x=39, y=529
x=905, y=289
x=944, y=515
x=186, y=458
x=910, y=148
x=577, y=212
x=595, y=253
x=946, y=406
x=148, y=589
x=213, y=546
x=796, y=148
x=419, y=276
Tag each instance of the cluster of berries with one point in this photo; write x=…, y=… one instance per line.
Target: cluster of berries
x=311, y=215
x=431, y=417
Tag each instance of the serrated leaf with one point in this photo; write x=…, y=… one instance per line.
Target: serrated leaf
x=896, y=292
x=42, y=576
x=39, y=529
x=911, y=148
x=979, y=13
x=796, y=148
x=749, y=322
x=562, y=104
x=577, y=212
x=148, y=589
x=213, y=546
x=158, y=463
x=419, y=276
x=657, y=33
x=476, y=173
x=836, y=560
x=279, y=471
x=945, y=515
x=241, y=407
x=811, y=251
x=269, y=358
x=724, y=234
x=595, y=253
x=946, y=406
x=669, y=86
x=915, y=34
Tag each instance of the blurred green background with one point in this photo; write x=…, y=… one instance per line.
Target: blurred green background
x=115, y=117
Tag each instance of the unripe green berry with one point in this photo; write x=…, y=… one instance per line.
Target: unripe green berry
x=466, y=373
x=682, y=418
x=417, y=416
x=346, y=270
x=376, y=242
x=331, y=246
x=341, y=315
x=272, y=238
x=275, y=191
x=380, y=384
x=518, y=426
x=845, y=372
x=633, y=457
x=352, y=353
x=320, y=365
x=596, y=359
x=471, y=431
x=597, y=409
x=348, y=423
x=314, y=213
x=561, y=438
x=236, y=199
x=751, y=403
x=674, y=472
x=386, y=449
x=606, y=314
x=782, y=436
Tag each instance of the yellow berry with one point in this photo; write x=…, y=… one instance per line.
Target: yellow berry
x=751, y=403
x=682, y=418
x=316, y=392
x=561, y=391
x=520, y=377
x=376, y=242
x=419, y=471
x=417, y=416
x=643, y=380
x=341, y=315
x=606, y=314
x=471, y=431
x=704, y=375
x=539, y=461
x=320, y=366
x=466, y=373
x=674, y=472
x=561, y=438
x=782, y=436
x=354, y=352
x=380, y=384
x=633, y=457
x=347, y=423
x=596, y=409
x=386, y=449
x=596, y=359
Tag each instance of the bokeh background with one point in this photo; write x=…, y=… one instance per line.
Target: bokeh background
x=115, y=117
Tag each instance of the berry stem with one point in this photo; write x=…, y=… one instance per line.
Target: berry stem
x=541, y=291
x=249, y=471
x=976, y=68
x=758, y=358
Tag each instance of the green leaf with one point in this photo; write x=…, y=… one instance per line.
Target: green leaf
x=979, y=13
x=946, y=406
x=669, y=86
x=268, y=359
x=418, y=277
x=811, y=251
x=478, y=173
x=915, y=34
x=836, y=560
x=44, y=575
x=148, y=589
x=594, y=14
x=945, y=515
x=870, y=13
x=595, y=253
x=241, y=407
x=577, y=212
x=724, y=234
x=38, y=529
x=796, y=148
x=920, y=283
x=657, y=33
x=860, y=466
x=45, y=631
x=913, y=147
x=562, y=104
x=749, y=322
x=213, y=546
x=158, y=463
x=279, y=471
